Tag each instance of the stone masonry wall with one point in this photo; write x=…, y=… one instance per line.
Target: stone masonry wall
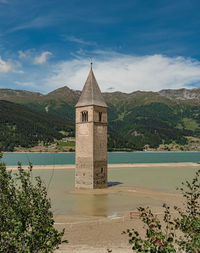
x=91, y=148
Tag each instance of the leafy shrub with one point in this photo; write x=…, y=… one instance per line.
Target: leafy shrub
x=26, y=221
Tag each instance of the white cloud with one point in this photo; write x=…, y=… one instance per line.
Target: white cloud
x=36, y=23
x=5, y=66
x=79, y=40
x=19, y=71
x=27, y=54
x=22, y=54
x=42, y=58
x=126, y=73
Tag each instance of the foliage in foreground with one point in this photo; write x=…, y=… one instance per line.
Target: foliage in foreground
x=26, y=221
x=178, y=234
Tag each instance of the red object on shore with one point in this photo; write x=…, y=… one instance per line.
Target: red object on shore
x=135, y=214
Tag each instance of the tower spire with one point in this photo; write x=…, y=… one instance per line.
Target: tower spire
x=91, y=61
x=91, y=94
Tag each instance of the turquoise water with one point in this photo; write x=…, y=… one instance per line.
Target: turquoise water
x=113, y=158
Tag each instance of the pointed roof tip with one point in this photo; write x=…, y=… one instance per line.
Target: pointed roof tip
x=91, y=62
x=91, y=94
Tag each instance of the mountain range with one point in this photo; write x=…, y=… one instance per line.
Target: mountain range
x=136, y=120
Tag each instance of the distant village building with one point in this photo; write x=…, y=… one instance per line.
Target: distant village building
x=91, y=137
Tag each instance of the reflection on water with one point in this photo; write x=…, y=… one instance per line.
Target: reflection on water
x=93, y=205
x=66, y=201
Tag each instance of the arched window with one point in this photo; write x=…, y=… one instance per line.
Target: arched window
x=84, y=116
x=100, y=116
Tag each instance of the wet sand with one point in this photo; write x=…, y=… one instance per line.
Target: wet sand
x=101, y=234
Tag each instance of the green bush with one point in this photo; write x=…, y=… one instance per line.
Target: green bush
x=26, y=221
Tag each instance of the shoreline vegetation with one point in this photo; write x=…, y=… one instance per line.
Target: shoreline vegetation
x=69, y=152
x=70, y=148
x=67, y=144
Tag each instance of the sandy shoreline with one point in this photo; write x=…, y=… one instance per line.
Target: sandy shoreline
x=111, y=166
x=98, y=234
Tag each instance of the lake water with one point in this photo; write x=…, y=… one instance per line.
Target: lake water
x=113, y=158
x=66, y=202
x=60, y=183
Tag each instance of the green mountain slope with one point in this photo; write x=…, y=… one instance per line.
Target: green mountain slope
x=135, y=120
x=21, y=126
x=151, y=124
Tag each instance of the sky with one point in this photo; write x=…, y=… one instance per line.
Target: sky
x=135, y=44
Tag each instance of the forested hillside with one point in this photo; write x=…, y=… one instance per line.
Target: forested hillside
x=152, y=125
x=136, y=120
x=21, y=126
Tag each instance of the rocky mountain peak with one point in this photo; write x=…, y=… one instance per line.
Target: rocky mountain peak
x=181, y=94
x=6, y=93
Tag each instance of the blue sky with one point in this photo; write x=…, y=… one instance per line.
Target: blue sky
x=136, y=44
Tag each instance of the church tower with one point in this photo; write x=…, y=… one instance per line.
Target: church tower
x=91, y=137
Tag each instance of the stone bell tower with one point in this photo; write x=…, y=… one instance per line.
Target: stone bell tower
x=91, y=137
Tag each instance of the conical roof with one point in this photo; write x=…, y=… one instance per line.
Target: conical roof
x=91, y=94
